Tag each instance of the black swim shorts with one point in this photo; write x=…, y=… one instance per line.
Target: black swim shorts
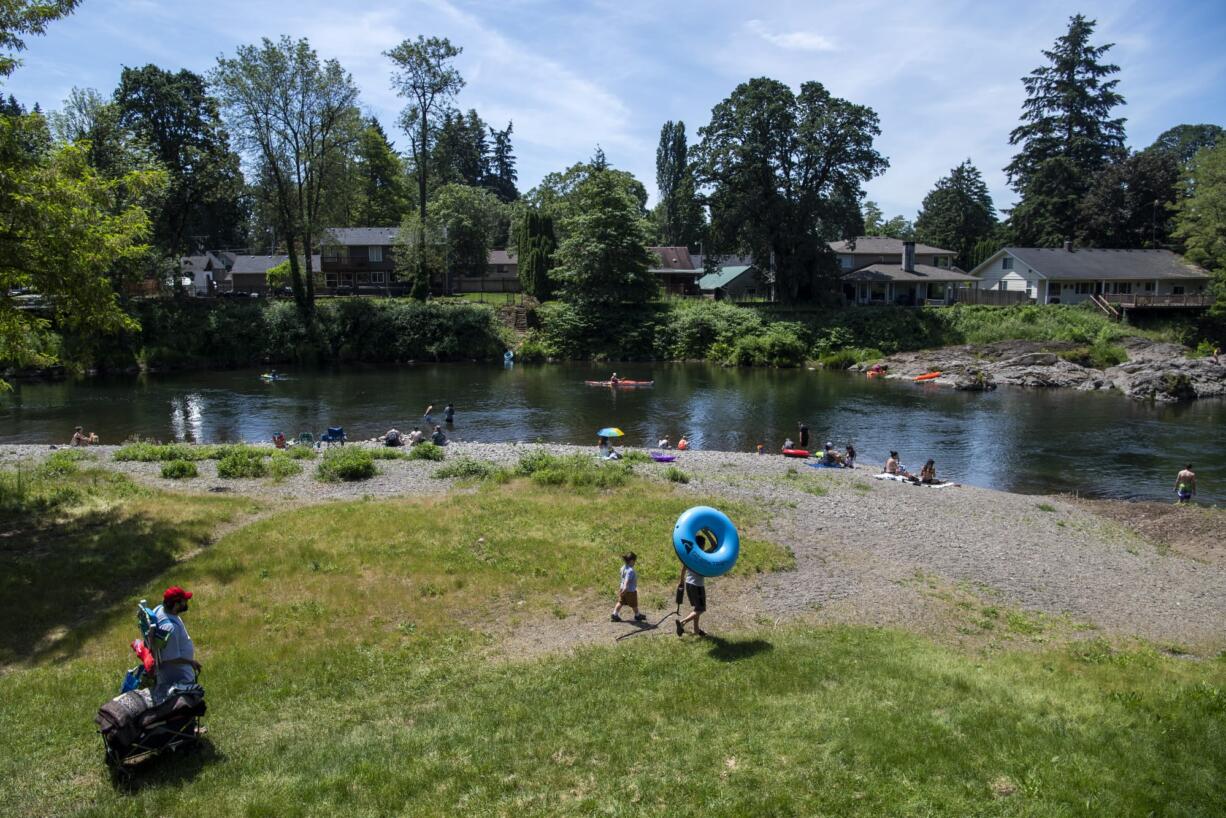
x=697, y=595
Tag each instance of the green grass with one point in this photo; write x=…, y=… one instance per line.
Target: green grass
x=676, y=475
x=467, y=468
x=1048, y=507
x=179, y=469
x=347, y=463
x=427, y=451
x=281, y=465
x=344, y=652
x=147, y=452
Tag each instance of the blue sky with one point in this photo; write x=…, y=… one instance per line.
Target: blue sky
x=943, y=76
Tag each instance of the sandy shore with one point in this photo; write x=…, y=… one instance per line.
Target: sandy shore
x=939, y=560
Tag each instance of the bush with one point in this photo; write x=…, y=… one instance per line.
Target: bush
x=281, y=466
x=576, y=470
x=300, y=452
x=534, y=461
x=390, y=453
x=347, y=463
x=635, y=456
x=242, y=462
x=676, y=475
x=466, y=468
x=144, y=451
x=62, y=463
x=426, y=451
x=780, y=345
x=179, y=469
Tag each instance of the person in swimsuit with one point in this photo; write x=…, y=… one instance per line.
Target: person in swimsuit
x=849, y=459
x=804, y=434
x=1185, y=484
x=928, y=474
x=449, y=413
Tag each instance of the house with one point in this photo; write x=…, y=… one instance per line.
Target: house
x=201, y=274
x=353, y=258
x=501, y=275
x=249, y=274
x=734, y=281
x=907, y=277
x=676, y=271
x=1066, y=275
x=865, y=250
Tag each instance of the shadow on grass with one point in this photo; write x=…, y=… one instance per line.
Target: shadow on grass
x=62, y=579
x=727, y=650
x=169, y=769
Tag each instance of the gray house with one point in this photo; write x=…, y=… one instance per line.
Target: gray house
x=1069, y=276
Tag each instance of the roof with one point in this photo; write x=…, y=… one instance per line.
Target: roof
x=1058, y=263
x=893, y=272
x=189, y=263
x=724, y=277
x=883, y=246
x=246, y=265
x=673, y=259
x=359, y=236
x=502, y=257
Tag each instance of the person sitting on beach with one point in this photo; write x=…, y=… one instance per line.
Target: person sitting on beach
x=92, y=440
x=416, y=436
x=830, y=457
x=79, y=438
x=438, y=438
x=787, y=445
x=682, y=444
x=892, y=466
x=278, y=440
x=664, y=443
x=393, y=438
x=928, y=474
x=849, y=459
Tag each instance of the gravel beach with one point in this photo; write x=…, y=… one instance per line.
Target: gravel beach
x=867, y=551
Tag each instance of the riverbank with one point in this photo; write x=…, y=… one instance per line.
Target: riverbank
x=1141, y=369
x=444, y=647
x=866, y=549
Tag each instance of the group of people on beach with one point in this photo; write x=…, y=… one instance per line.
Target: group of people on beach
x=394, y=437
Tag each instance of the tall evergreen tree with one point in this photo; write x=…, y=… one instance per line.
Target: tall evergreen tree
x=678, y=214
x=1066, y=119
x=383, y=200
x=957, y=213
x=535, y=244
x=502, y=175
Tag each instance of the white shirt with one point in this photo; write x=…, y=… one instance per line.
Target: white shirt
x=693, y=579
x=630, y=578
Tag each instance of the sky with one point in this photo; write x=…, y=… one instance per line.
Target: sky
x=944, y=77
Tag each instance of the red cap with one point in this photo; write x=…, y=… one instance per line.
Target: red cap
x=175, y=592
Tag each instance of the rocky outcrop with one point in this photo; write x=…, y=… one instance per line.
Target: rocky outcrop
x=1154, y=371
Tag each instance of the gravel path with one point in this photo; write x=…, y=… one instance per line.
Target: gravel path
x=867, y=551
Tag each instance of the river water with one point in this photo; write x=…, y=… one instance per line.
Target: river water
x=1033, y=441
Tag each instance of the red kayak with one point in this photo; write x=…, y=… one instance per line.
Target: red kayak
x=795, y=453
x=620, y=383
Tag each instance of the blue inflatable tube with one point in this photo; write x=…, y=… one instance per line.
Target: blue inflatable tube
x=710, y=524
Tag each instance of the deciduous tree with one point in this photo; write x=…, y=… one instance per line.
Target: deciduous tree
x=780, y=169
x=1128, y=206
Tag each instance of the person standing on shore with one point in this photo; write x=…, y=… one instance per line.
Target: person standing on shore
x=628, y=591
x=804, y=435
x=1185, y=484
x=696, y=591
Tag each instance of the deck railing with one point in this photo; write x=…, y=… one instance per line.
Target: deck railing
x=1151, y=300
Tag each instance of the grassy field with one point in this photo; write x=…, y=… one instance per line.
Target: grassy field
x=345, y=653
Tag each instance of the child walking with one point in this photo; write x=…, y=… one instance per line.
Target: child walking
x=628, y=591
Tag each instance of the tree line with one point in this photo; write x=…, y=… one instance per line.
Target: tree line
x=270, y=147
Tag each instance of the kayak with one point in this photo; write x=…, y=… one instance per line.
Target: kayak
x=927, y=377
x=620, y=383
x=795, y=452
x=660, y=457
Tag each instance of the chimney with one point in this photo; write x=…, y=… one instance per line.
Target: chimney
x=1068, y=246
x=908, y=257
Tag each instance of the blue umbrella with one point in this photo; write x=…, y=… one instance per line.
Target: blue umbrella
x=610, y=431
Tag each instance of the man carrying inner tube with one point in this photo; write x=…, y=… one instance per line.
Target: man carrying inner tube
x=696, y=590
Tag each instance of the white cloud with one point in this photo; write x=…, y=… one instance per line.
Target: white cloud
x=793, y=40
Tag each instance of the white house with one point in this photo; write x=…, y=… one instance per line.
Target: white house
x=1069, y=276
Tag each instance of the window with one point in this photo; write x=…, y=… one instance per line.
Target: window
x=378, y=277
x=1053, y=288
x=1006, y=263
x=363, y=278
x=1084, y=287
x=330, y=279
x=845, y=262
x=1149, y=286
x=1177, y=289
x=374, y=253
x=1123, y=287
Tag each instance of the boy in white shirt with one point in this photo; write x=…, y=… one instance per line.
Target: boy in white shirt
x=628, y=591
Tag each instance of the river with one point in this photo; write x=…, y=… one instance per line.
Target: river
x=1032, y=441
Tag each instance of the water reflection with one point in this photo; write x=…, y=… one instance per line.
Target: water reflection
x=1024, y=440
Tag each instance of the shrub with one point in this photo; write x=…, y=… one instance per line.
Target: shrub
x=144, y=451
x=281, y=466
x=61, y=463
x=426, y=451
x=347, y=463
x=580, y=471
x=467, y=468
x=779, y=346
x=676, y=475
x=391, y=453
x=179, y=469
x=300, y=452
x=240, y=463
x=635, y=456
x=534, y=461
